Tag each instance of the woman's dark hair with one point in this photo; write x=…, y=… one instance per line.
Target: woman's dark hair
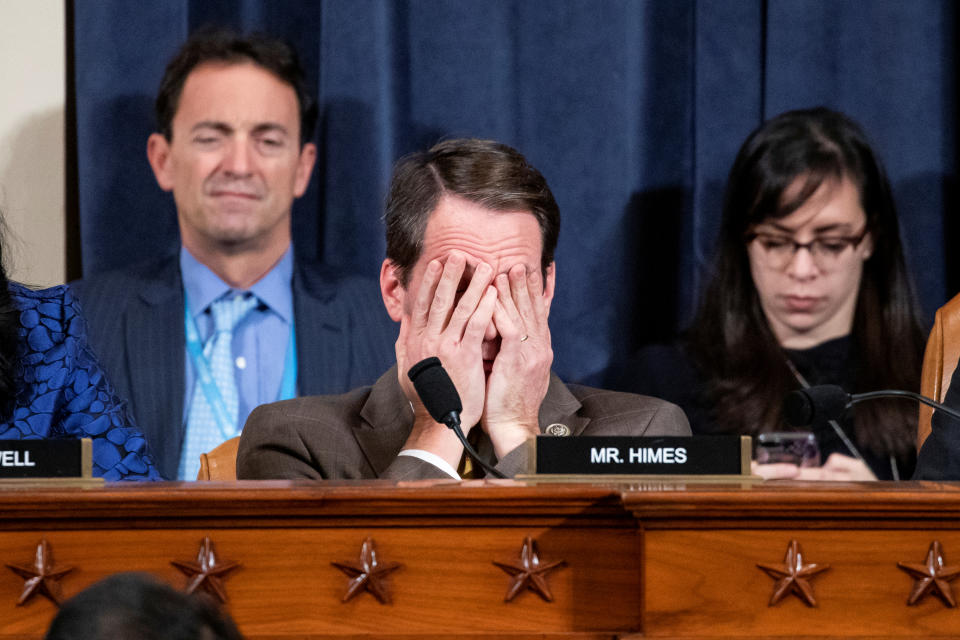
x=9, y=337
x=730, y=339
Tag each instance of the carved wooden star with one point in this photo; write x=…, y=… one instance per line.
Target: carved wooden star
x=932, y=577
x=207, y=572
x=367, y=574
x=793, y=576
x=530, y=573
x=42, y=576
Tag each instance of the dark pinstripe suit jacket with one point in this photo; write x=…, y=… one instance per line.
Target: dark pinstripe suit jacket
x=344, y=339
x=358, y=434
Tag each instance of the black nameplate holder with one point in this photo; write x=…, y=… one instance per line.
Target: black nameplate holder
x=643, y=456
x=36, y=459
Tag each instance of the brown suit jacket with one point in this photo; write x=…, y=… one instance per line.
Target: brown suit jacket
x=358, y=434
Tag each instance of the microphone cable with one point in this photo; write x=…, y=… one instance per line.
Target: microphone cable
x=442, y=401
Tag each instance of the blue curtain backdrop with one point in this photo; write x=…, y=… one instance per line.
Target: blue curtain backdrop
x=634, y=111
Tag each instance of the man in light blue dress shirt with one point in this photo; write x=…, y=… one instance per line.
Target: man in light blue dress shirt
x=258, y=340
x=233, y=147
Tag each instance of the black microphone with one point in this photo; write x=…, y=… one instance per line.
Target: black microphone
x=442, y=401
x=828, y=402
x=437, y=391
x=823, y=402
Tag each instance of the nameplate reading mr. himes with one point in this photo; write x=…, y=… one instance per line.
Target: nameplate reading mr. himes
x=634, y=455
x=639, y=455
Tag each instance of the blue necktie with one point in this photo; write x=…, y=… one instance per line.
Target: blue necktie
x=204, y=430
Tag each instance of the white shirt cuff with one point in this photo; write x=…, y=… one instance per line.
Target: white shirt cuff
x=432, y=458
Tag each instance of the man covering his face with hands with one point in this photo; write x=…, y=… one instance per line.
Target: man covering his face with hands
x=469, y=275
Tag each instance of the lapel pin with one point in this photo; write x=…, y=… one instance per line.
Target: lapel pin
x=557, y=429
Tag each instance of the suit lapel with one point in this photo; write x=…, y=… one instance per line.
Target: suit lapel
x=561, y=406
x=386, y=421
x=558, y=406
x=155, y=350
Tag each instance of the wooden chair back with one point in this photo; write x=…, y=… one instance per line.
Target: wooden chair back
x=939, y=361
x=220, y=463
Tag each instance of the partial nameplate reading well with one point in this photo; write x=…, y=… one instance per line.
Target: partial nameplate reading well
x=46, y=458
x=635, y=455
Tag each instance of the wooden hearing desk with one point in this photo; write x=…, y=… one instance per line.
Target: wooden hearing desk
x=645, y=559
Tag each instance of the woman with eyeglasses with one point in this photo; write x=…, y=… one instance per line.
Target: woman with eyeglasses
x=809, y=286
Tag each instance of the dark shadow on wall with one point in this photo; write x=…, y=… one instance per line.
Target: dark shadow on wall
x=652, y=225
x=951, y=183
x=71, y=194
x=701, y=239
x=951, y=232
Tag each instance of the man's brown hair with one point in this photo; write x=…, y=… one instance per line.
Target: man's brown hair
x=485, y=172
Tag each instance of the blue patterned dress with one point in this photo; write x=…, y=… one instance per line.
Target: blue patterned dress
x=62, y=391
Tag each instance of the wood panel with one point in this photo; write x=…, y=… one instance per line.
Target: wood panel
x=708, y=584
x=643, y=559
x=447, y=576
x=286, y=538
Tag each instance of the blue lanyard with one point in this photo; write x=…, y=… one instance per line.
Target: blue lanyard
x=228, y=429
x=288, y=384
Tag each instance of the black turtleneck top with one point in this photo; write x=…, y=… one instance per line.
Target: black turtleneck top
x=667, y=372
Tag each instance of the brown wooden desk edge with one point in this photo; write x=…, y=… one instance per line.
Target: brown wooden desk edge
x=647, y=525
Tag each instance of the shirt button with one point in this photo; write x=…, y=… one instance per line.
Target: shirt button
x=241, y=363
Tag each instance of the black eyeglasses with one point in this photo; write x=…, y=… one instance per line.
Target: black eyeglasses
x=827, y=251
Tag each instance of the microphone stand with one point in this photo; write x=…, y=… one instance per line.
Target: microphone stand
x=452, y=420
x=870, y=395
